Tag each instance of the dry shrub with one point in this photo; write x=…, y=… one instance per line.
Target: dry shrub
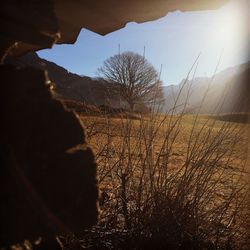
x=197, y=200
x=171, y=182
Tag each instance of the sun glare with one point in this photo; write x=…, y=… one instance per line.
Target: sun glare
x=232, y=26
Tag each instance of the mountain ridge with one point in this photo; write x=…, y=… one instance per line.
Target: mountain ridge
x=97, y=92
x=208, y=91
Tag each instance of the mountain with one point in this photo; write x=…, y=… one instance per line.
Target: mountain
x=227, y=91
x=71, y=86
x=222, y=93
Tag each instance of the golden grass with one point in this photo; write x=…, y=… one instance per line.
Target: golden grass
x=188, y=160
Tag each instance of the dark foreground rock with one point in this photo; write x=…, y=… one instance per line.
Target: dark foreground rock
x=48, y=173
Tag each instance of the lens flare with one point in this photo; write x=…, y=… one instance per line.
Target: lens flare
x=232, y=31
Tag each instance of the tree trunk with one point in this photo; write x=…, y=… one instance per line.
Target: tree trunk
x=131, y=106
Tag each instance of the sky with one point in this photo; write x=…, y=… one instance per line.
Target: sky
x=174, y=41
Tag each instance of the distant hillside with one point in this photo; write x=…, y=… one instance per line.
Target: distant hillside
x=226, y=92
x=69, y=85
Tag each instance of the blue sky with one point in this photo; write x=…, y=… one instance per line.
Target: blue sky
x=173, y=41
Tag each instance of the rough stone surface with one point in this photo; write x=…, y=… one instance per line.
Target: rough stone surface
x=48, y=174
x=36, y=24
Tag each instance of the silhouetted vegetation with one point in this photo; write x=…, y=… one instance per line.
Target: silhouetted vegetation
x=170, y=182
x=234, y=117
x=133, y=78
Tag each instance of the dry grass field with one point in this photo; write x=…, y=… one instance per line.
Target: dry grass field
x=167, y=182
x=170, y=182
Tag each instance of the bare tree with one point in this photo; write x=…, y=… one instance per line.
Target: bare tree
x=133, y=77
